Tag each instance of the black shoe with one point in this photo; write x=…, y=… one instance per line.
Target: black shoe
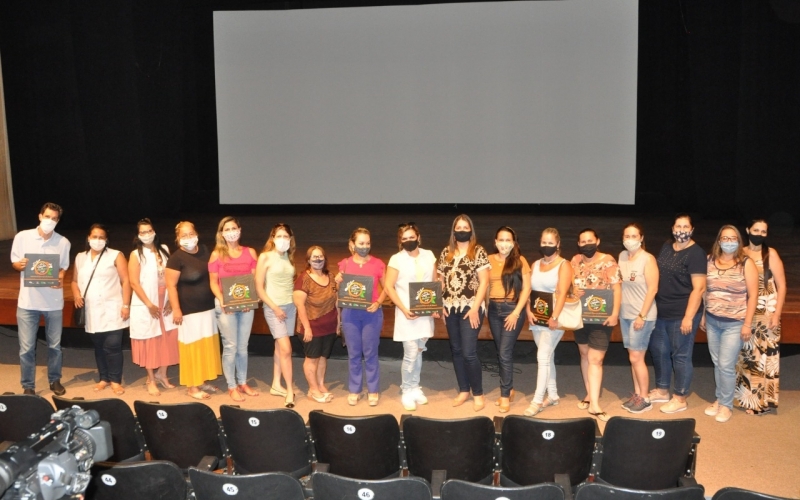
x=31, y=392
x=57, y=388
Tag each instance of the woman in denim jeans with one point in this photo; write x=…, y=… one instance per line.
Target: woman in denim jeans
x=731, y=299
x=463, y=269
x=229, y=258
x=509, y=289
x=681, y=285
x=275, y=274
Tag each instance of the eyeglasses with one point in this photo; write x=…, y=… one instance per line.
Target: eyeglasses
x=728, y=239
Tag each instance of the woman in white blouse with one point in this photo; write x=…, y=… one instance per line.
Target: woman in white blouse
x=410, y=264
x=100, y=283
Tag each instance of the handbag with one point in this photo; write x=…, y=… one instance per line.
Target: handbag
x=79, y=313
x=571, y=316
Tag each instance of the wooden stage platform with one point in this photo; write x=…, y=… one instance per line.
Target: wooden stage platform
x=332, y=232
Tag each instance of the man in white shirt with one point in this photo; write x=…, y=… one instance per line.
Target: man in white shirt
x=35, y=302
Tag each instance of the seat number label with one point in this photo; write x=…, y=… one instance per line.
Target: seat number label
x=351, y=429
x=548, y=435
x=364, y=493
x=659, y=433
x=254, y=422
x=161, y=414
x=230, y=489
x=108, y=479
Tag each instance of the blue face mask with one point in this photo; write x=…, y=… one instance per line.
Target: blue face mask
x=729, y=246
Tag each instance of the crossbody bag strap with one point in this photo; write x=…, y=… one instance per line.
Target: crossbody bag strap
x=83, y=294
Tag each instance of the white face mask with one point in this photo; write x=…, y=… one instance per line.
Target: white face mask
x=97, y=245
x=232, y=236
x=47, y=225
x=147, y=239
x=504, y=248
x=189, y=244
x=281, y=244
x=632, y=245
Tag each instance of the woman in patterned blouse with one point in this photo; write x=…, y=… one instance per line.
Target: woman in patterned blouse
x=463, y=269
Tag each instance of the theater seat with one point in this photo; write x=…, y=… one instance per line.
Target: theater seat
x=463, y=490
x=332, y=487
x=21, y=415
x=740, y=494
x=596, y=491
x=154, y=480
x=247, y=431
x=264, y=486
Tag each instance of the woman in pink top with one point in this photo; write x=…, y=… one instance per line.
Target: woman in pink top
x=229, y=258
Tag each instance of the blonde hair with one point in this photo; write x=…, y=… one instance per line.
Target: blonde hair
x=222, y=244
x=473, y=240
x=178, y=230
x=554, y=232
x=716, y=249
x=351, y=243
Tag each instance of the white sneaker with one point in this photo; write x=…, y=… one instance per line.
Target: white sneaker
x=409, y=401
x=419, y=396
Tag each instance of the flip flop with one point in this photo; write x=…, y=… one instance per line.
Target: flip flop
x=601, y=415
x=583, y=405
x=198, y=395
x=118, y=390
x=235, y=395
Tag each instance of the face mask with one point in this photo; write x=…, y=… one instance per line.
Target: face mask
x=462, y=236
x=47, y=225
x=504, y=248
x=362, y=251
x=189, y=244
x=318, y=264
x=232, y=236
x=588, y=250
x=97, y=245
x=682, y=236
x=147, y=239
x=281, y=244
x=756, y=239
x=632, y=245
x=547, y=251
x=729, y=246
x=410, y=246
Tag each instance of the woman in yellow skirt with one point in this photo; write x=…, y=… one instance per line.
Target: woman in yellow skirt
x=193, y=311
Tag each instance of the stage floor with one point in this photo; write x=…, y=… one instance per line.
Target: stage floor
x=331, y=231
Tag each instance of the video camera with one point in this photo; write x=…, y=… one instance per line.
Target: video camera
x=56, y=462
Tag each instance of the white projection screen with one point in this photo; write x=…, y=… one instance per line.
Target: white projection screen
x=499, y=102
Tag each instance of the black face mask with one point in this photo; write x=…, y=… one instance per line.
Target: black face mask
x=588, y=251
x=462, y=236
x=547, y=251
x=756, y=239
x=410, y=246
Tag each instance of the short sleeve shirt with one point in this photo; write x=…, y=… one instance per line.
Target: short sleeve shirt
x=40, y=298
x=601, y=273
x=373, y=267
x=320, y=304
x=675, y=270
x=194, y=291
x=496, y=289
x=461, y=277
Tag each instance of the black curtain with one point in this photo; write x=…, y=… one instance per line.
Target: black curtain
x=111, y=106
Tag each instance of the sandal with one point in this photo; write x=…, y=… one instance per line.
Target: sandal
x=164, y=382
x=583, y=405
x=198, y=395
x=601, y=415
x=549, y=402
x=100, y=386
x=352, y=399
x=533, y=410
x=117, y=388
x=235, y=394
x=277, y=392
x=373, y=399
x=246, y=389
x=209, y=388
x=152, y=388
x=326, y=397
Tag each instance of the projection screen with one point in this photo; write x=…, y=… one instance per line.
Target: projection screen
x=500, y=102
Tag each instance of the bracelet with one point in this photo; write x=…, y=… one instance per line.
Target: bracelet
x=641, y=317
x=125, y=306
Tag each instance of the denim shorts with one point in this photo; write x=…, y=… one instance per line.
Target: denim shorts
x=278, y=328
x=636, y=340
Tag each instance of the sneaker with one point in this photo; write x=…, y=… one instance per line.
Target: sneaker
x=627, y=404
x=640, y=405
x=657, y=397
x=57, y=388
x=712, y=410
x=419, y=396
x=674, y=406
x=409, y=402
x=724, y=414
